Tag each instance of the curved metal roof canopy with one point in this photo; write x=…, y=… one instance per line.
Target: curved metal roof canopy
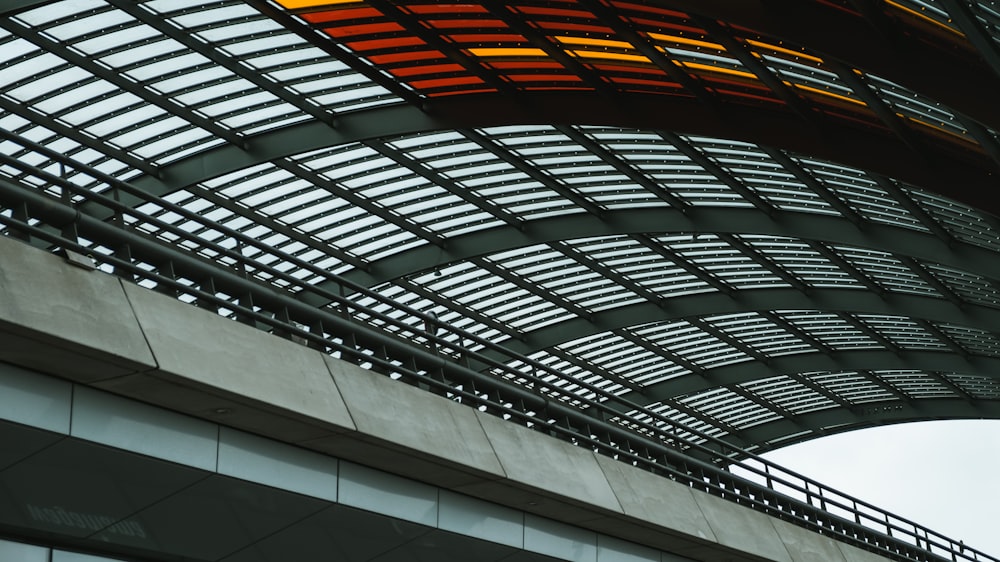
x=717, y=214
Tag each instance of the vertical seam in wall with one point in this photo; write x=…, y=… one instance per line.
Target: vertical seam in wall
x=72, y=409
x=476, y=415
x=524, y=530
x=781, y=539
x=347, y=407
x=437, y=512
x=218, y=446
x=336, y=481
x=142, y=330
x=621, y=508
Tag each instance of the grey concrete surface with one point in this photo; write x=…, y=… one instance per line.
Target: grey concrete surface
x=195, y=345
x=63, y=319
x=672, y=507
x=539, y=467
x=741, y=529
x=855, y=554
x=439, y=438
x=804, y=545
x=85, y=326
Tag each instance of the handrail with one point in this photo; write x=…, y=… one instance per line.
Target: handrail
x=398, y=345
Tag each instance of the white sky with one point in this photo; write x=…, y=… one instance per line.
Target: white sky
x=943, y=475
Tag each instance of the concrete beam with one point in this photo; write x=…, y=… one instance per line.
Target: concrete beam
x=189, y=360
x=65, y=320
x=215, y=368
x=437, y=440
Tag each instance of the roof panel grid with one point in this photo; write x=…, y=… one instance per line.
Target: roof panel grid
x=988, y=17
x=886, y=271
x=679, y=423
x=968, y=286
x=903, y=332
x=801, y=259
x=759, y=334
x=49, y=150
x=920, y=110
x=51, y=156
x=862, y=192
x=917, y=384
x=668, y=282
x=961, y=221
x=855, y=387
x=282, y=201
x=568, y=281
x=924, y=12
x=612, y=353
x=975, y=341
x=716, y=256
x=648, y=270
x=758, y=171
x=598, y=346
x=668, y=167
x=100, y=100
x=789, y=395
x=976, y=386
x=723, y=403
x=811, y=78
x=453, y=280
x=415, y=58
x=688, y=44
x=618, y=265
x=829, y=329
x=693, y=345
x=260, y=43
x=561, y=378
x=515, y=307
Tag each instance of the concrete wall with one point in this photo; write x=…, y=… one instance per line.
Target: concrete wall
x=95, y=330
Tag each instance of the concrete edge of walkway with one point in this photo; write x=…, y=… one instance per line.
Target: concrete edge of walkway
x=94, y=329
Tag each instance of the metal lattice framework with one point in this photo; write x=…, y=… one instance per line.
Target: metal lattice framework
x=717, y=216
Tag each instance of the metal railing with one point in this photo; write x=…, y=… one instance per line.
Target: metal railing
x=392, y=339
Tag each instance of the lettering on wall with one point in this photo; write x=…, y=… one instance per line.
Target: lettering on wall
x=57, y=515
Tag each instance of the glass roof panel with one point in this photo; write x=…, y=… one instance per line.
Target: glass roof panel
x=921, y=111
x=759, y=172
x=979, y=387
x=973, y=340
x=788, y=395
x=905, y=333
x=862, y=192
x=886, y=270
x=855, y=387
x=968, y=286
x=759, y=334
x=801, y=259
x=926, y=12
x=962, y=222
x=987, y=14
x=810, y=77
x=830, y=329
x=716, y=256
x=917, y=384
x=725, y=404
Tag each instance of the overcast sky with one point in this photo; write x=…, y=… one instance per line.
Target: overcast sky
x=943, y=475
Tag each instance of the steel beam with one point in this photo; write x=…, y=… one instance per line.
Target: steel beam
x=837, y=361
x=758, y=300
x=781, y=433
x=969, y=181
x=949, y=76
x=656, y=221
